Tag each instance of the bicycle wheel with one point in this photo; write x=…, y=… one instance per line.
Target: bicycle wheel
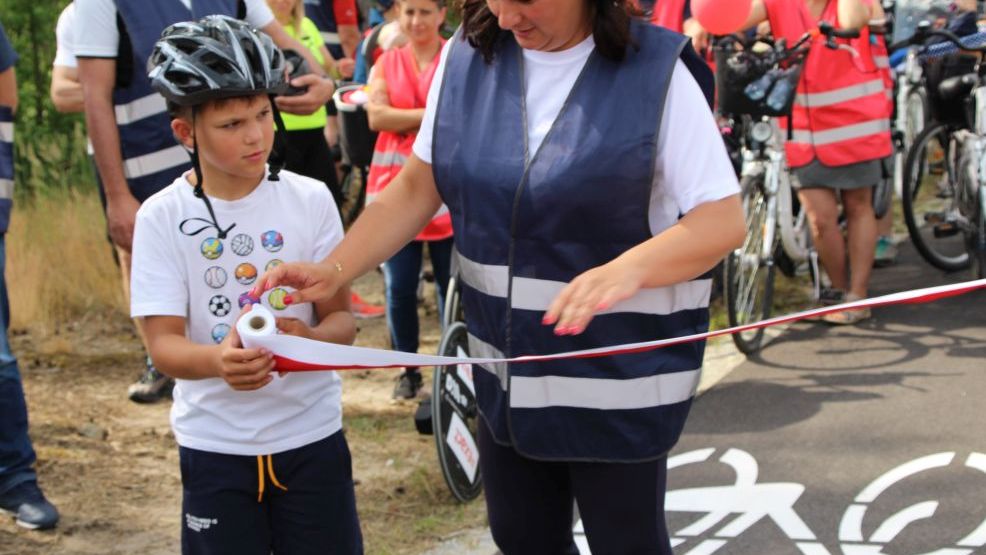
x=977, y=239
x=749, y=273
x=353, y=188
x=452, y=311
x=454, y=412
x=928, y=200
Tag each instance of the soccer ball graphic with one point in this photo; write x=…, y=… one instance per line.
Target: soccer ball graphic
x=246, y=273
x=272, y=240
x=220, y=306
x=242, y=244
x=212, y=248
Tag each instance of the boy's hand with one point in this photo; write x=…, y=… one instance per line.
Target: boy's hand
x=294, y=326
x=244, y=369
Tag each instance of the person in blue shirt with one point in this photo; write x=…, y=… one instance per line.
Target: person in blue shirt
x=19, y=491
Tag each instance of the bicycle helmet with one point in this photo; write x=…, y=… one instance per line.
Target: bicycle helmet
x=212, y=58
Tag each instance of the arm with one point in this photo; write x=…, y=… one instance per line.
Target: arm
x=758, y=14
x=175, y=355
x=403, y=209
x=680, y=253
x=97, y=76
x=320, y=89
x=336, y=323
x=384, y=117
x=854, y=14
x=66, y=91
x=8, y=88
x=349, y=40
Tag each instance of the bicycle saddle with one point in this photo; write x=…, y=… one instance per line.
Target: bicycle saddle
x=957, y=87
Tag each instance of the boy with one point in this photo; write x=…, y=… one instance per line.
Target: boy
x=264, y=463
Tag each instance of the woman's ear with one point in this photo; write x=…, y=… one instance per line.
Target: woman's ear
x=183, y=131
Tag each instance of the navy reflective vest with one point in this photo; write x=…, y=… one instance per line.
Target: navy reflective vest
x=527, y=223
x=6, y=166
x=152, y=159
x=324, y=16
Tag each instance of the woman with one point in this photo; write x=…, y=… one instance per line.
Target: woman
x=307, y=151
x=399, y=85
x=582, y=220
x=841, y=125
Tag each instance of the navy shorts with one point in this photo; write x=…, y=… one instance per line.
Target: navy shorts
x=306, y=504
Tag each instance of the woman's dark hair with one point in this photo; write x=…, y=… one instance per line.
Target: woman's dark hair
x=610, y=26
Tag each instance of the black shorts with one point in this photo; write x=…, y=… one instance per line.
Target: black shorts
x=315, y=514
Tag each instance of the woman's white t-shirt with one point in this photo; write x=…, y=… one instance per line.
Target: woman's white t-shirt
x=65, y=38
x=202, y=279
x=692, y=166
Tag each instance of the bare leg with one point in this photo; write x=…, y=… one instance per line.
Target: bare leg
x=822, y=208
x=858, y=204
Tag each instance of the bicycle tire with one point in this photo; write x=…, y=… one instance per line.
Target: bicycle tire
x=456, y=417
x=977, y=246
x=452, y=309
x=353, y=188
x=749, y=273
x=921, y=201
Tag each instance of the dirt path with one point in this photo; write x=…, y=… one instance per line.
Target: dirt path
x=111, y=466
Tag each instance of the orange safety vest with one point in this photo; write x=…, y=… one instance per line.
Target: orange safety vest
x=669, y=14
x=842, y=110
x=407, y=89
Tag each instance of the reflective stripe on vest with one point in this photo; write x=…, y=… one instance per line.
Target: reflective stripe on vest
x=152, y=158
x=529, y=222
x=842, y=111
x=6, y=165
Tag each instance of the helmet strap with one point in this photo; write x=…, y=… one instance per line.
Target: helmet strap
x=199, y=192
x=277, y=155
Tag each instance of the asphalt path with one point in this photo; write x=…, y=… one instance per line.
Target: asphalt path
x=861, y=439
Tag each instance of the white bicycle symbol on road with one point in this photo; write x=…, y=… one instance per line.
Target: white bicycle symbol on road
x=737, y=507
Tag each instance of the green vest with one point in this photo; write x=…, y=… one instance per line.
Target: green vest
x=311, y=38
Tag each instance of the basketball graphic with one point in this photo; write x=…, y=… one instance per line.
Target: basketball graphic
x=215, y=277
x=242, y=244
x=220, y=306
x=212, y=248
x=276, y=299
x=272, y=240
x=273, y=264
x=246, y=273
x=247, y=298
x=219, y=332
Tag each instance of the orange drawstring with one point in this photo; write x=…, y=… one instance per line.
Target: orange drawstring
x=260, y=476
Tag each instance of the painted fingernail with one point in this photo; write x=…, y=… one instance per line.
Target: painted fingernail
x=547, y=320
x=288, y=299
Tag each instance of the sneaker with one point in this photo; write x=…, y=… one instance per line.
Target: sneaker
x=407, y=385
x=363, y=310
x=885, y=253
x=152, y=386
x=28, y=505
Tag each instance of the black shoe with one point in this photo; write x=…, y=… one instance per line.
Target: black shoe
x=151, y=387
x=29, y=506
x=407, y=385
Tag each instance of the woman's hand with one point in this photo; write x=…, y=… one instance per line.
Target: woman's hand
x=244, y=369
x=319, y=92
x=313, y=281
x=593, y=291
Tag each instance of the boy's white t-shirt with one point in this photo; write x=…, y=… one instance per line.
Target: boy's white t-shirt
x=692, y=166
x=205, y=280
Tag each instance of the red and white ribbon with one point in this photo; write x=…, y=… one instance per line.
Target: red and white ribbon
x=294, y=354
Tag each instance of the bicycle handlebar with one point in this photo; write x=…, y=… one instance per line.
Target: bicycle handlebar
x=925, y=32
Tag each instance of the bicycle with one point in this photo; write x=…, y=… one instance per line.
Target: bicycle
x=357, y=141
x=944, y=179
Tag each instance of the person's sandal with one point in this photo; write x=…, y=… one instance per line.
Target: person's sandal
x=827, y=297
x=848, y=317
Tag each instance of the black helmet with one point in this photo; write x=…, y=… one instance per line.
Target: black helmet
x=214, y=57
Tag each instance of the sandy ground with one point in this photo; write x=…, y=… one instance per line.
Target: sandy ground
x=111, y=466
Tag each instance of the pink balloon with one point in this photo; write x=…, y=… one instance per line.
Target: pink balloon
x=721, y=17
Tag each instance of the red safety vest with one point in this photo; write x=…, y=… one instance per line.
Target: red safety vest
x=407, y=88
x=842, y=111
x=669, y=14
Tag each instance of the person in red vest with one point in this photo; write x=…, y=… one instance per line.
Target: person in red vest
x=840, y=136
x=399, y=84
